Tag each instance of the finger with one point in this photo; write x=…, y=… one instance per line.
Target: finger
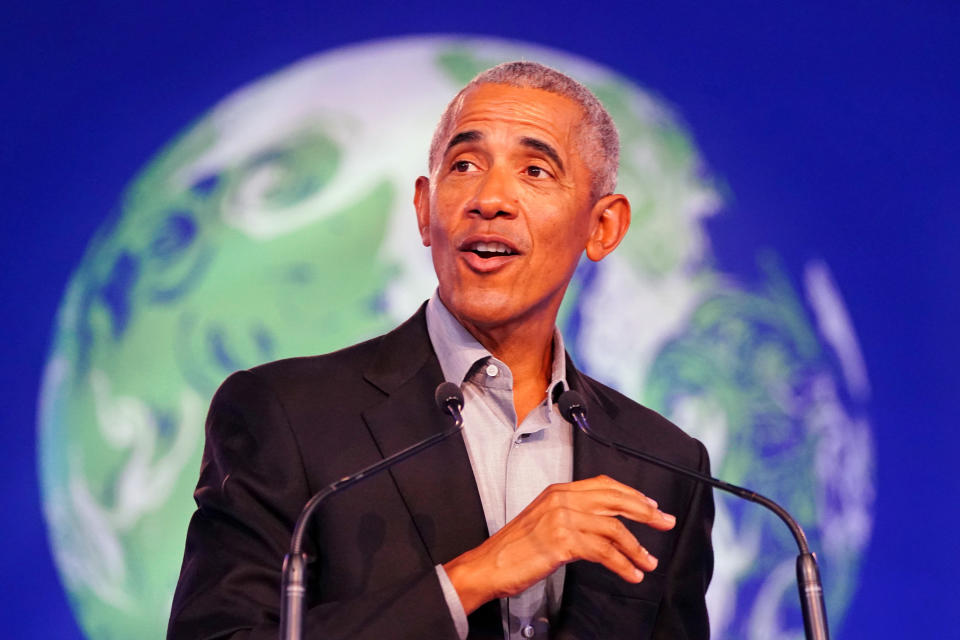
x=610, y=556
x=629, y=560
x=591, y=531
x=615, y=531
x=606, y=483
x=612, y=502
x=599, y=484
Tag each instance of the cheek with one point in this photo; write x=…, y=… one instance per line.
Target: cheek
x=440, y=223
x=440, y=232
x=563, y=242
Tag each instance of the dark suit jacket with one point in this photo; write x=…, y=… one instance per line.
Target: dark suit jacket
x=280, y=432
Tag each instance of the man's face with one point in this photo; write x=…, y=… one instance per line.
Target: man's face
x=508, y=213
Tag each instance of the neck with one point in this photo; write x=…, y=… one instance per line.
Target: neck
x=526, y=346
x=527, y=350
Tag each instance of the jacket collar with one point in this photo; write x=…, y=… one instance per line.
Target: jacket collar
x=437, y=486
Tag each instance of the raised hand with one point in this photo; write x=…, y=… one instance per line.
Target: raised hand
x=566, y=522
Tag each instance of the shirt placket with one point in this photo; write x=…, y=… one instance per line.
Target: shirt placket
x=524, y=481
x=526, y=614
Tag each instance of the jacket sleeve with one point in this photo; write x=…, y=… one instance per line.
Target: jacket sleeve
x=683, y=610
x=252, y=487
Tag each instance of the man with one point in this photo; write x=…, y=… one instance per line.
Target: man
x=520, y=528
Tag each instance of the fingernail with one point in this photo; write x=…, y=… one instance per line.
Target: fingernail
x=669, y=519
x=637, y=575
x=653, y=561
x=651, y=502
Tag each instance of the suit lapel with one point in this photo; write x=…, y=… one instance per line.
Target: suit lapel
x=592, y=458
x=437, y=485
x=590, y=607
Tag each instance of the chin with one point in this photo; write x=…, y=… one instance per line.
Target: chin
x=482, y=307
x=494, y=307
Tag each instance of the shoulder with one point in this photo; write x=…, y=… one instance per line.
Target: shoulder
x=319, y=371
x=275, y=392
x=358, y=373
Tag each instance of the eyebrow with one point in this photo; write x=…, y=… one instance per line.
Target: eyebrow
x=464, y=136
x=544, y=148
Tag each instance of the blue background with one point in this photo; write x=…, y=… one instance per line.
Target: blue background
x=835, y=129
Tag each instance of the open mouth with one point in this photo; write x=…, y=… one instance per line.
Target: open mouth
x=489, y=249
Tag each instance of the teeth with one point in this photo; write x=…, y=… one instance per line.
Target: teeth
x=490, y=247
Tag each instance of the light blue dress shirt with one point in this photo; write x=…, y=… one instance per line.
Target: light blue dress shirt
x=511, y=464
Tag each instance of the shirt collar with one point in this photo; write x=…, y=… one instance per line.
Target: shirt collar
x=458, y=351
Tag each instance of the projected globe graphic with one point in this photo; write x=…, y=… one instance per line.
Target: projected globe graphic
x=280, y=223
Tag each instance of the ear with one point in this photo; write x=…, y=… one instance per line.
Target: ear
x=421, y=202
x=610, y=219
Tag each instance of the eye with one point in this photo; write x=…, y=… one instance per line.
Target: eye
x=536, y=172
x=464, y=166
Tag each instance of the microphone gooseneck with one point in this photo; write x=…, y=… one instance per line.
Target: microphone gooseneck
x=293, y=589
x=574, y=410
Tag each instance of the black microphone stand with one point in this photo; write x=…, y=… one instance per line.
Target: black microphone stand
x=293, y=590
x=574, y=410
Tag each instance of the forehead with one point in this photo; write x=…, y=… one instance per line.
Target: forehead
x=521, y=110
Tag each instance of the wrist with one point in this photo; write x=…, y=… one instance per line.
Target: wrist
x=470, y=581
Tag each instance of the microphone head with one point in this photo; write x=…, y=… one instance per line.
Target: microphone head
x=448, y=395
x=569, y=403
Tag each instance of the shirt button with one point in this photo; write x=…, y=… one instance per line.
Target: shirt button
x=527, y=631
x=492, y=370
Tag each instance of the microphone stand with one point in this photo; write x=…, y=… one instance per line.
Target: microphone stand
x=293, y=590
x=574, y=410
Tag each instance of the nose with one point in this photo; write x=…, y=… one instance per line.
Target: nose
x=495, y=195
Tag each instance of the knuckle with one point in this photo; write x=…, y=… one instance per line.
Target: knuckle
x=626, y=538
x=556, y=499
x=609, y=552
x=559, y=519
x=614, y=527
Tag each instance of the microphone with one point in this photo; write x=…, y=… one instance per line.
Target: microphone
x=293, y=589
x=449, y=399
x=574, y=410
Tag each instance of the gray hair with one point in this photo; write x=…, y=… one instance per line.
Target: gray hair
x=600, y=142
